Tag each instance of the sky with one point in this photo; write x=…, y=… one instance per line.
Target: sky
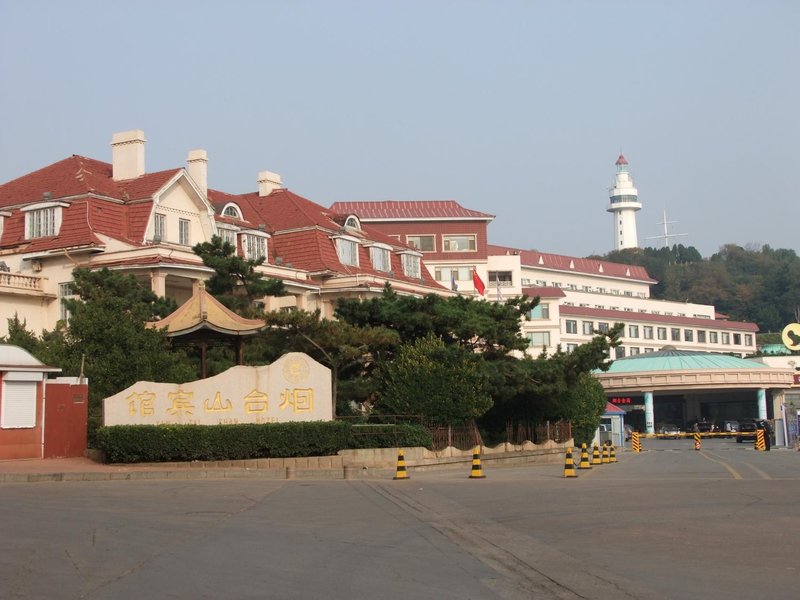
x=514, y=108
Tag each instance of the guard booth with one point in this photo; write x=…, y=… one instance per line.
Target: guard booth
x=39, y=418
x=612, y=427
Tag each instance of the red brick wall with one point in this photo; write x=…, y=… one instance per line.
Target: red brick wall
x=440, y=228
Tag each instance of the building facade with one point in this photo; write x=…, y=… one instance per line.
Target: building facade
x=83, y=212
x=578, y=296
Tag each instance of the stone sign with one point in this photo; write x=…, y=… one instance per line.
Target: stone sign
x=293, y=388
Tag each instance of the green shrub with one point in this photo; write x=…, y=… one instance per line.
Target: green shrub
x=163, y=443
x=172, y=443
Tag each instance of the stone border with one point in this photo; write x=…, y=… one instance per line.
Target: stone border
x=348, y=464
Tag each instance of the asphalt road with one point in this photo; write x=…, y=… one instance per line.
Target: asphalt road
x=670, y=522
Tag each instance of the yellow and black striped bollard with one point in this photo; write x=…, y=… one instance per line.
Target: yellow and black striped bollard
x=612, y=454
x=584, y=464
x=697, y=444
x=761, y=443
x=604, y=459
x=477, y=470
x=569, y=465
x=596, y=456
x=401, y=472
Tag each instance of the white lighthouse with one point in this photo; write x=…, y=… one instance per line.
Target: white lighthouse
x=624, y=202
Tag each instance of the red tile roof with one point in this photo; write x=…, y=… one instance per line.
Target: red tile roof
x=80, y=181
x=626, y=316
x=302, y=234
x=79, y=176
x=392, y=210
x=558, y=262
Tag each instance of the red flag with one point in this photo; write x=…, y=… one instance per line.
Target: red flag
x=478, y=282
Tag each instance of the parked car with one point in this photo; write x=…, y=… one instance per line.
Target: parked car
x=748, y=428
x=668, y=430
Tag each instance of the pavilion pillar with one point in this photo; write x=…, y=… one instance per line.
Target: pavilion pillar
x=762, y=403
x=203, y=348
x=649, y=413
x=239, y=350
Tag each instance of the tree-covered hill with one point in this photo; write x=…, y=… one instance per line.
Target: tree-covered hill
x=760, y=285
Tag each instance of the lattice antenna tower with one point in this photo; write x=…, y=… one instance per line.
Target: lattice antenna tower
x=666, y=236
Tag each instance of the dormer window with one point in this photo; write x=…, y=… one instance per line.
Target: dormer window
x=43, y=220
x=231, y=210
x=380, y=257
x=352, y=222
x=412, y=264
x=3, y=216
x=254, y=245
x=227, y=235
x=347, y=250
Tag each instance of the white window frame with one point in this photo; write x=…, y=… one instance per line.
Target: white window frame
x=35, y=226
x=18, y=406
x=3, y=216
x=232, y=211
x=352, y=222
x=541, y=311
x=184, y=232
x=227, y=234
x=347, y=250
x=159, y=227
x=544, y=336
x=412, y=264
x=381, y=257
x=65, y=292
x=445, y=274
x=430, y=236
x=451, y=244
x=255, y=245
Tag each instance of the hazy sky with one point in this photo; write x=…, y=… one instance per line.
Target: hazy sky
x=515, y=108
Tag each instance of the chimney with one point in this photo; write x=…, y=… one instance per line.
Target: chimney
x=127, y=154
x=268, y=182
x=197, y=166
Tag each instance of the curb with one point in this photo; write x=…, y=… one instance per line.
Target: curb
x=191, y=474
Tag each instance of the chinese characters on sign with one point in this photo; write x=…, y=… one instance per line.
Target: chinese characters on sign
x=181, y=403
x=294, y=388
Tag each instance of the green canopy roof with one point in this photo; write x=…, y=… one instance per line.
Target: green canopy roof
x=670, y=359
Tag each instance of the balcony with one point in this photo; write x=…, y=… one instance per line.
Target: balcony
x=16, y=283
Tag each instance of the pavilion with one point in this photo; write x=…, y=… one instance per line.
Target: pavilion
x=203, y=320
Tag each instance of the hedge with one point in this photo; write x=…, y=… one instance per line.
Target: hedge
x=173, y=443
